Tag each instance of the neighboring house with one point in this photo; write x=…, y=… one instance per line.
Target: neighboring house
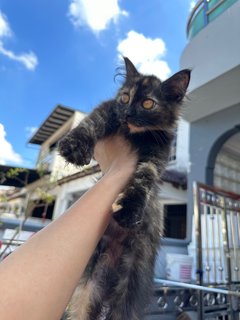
x=12, y=200
x=14, y=197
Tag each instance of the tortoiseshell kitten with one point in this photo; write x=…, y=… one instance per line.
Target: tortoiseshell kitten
x=117, y=282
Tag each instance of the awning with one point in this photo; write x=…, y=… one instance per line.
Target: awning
x=54, y=121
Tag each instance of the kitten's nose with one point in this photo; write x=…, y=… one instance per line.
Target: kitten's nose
x=129, y=119
x=129, y=115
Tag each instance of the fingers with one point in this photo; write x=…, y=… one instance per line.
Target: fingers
x=114, y=151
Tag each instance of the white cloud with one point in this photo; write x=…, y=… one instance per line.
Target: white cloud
x=7, y=154
x=192, y=4
x=94, y=13
x=30, y=131
x=5, y=30
x=145, y=53
x=29, y=60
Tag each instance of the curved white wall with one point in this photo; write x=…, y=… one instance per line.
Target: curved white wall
x=214, y=57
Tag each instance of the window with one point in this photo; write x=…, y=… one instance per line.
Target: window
x=43, y=210
x=175, y=221
x=173, y=150
x=227, y=172
x=73, y=197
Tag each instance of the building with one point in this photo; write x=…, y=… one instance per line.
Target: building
x=212, y=158
x=213, y=54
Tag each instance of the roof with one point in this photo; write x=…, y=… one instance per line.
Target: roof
x=54, y=121
x=176, y=178
x=24, y=174
x=80, y=174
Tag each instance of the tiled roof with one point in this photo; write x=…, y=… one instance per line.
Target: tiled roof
x=177, y=179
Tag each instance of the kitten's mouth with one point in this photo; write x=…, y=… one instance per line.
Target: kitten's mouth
x=134, y=128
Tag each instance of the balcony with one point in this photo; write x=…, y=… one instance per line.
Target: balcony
x=45, y=161
x=213, y=55
x=204, y=12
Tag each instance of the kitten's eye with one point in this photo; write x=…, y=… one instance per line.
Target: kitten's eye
x=148, y=104
x=125, y=98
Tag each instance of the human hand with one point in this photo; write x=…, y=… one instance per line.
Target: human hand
x=115, y=155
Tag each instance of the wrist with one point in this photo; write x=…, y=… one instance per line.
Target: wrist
x=117, y=178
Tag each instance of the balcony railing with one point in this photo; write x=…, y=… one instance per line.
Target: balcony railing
x=204, y=12
x=45, y=161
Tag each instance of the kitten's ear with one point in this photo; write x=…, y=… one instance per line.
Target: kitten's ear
x=174, y=88
x=130, y=68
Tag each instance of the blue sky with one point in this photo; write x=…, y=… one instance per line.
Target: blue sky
x=67, y=51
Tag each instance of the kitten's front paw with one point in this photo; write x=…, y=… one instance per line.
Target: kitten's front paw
x=74, y=150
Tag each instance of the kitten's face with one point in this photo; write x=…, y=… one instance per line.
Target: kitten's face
x=149, y=104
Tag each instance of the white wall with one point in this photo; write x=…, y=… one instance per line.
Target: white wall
x=215, y=49
x=183, y=145
x=58, y=166
x=214, y=57
x=170, y=194
x=65, y=191
x=182, y=149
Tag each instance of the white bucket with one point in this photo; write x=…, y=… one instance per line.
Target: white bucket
x=179, y=267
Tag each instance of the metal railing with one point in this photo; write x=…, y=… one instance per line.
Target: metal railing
x=217, y=221
x=204, y=12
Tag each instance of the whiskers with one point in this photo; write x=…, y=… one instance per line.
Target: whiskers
x=157, y=137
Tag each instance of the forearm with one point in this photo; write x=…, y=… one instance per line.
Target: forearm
x=38, y=279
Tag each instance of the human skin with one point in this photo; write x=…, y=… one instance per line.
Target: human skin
x=38, y=279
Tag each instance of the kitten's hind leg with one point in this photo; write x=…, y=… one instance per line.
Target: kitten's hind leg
x=131, y=294
x=86, y=303
x=129, y=208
